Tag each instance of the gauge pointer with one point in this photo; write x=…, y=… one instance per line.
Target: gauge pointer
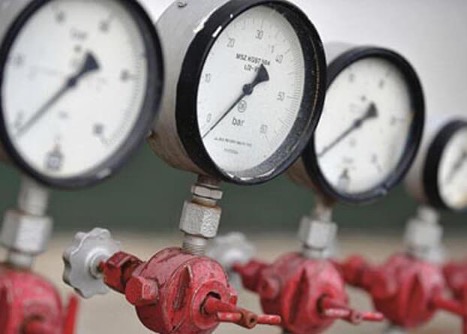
x=248, y=89
x=90, y=65
x=457, y=166
x=357, y=124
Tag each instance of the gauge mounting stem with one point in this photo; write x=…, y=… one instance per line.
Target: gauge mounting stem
x=26, y=230
x=317, y=232
x=201, y=216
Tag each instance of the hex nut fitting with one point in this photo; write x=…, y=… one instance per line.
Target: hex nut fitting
x=82, y=258
x=24, y=233
x=199, y=220
x=141, y=291
x=205, y=192
x=421, y=235
x=115, y=270
x=316, y=234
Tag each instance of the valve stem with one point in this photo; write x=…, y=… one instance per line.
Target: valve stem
x=229, y=313
x=336, y=310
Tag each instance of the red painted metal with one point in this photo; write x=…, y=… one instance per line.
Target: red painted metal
x=406, y=290
x=29, y=304
x=308, y=294
x=456, y=277
x=178, y=293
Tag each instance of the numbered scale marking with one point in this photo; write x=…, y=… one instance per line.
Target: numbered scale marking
x=445, y=171
x=80, y=86
x=259, y=94
x=371, y=126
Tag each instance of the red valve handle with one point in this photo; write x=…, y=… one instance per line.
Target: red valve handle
x=229, y=313
x=71, y=315
x=448, y=305
x=335, y=310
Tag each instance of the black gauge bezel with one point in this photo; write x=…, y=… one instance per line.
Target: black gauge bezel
x=142, y=126
x=310, y=158
x=311, y=107
x=433, y=162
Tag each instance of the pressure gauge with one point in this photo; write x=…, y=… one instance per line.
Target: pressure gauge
x=247, y=90
x=80, y=83
x=439, y=176
x=371, y=126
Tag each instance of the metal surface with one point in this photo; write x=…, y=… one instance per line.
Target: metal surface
x=31, y=305
x=200, y=220
x=297, y=172
x=414, y=179
x=178, y=293
x=408, y=291
x=423, y=236
x=9, y=10
x=456, y=278
x=33, y=198
x=24, y=237
x=176, y=39
x=231, y=249
x=82, y=260
x=26, y=231
x=308, y=294
x=201, y=216
x=317, y=237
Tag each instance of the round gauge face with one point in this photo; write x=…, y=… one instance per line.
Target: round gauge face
x=259, y=96
x=370, y=128
x=446, y=168
x=78, y=89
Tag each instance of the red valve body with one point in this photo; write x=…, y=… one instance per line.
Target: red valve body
x=172, y=290
x=456, y=277
x=406, y=290
x=29, y=304
x=308, y=294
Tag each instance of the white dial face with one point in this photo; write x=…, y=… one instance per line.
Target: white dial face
x=365, y=126
x=251, y=90
x=74, y=85
x=453, y=172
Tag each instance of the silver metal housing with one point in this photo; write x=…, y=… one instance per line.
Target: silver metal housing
x=9, y=10
x=178, y=26
x=423, y=236
x=414, y=179
x=297, y=172
x=26, y=231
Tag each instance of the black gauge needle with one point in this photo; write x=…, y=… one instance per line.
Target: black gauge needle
x=90, y=64
x=457, y=166
x=248, y=89
x=357, y=124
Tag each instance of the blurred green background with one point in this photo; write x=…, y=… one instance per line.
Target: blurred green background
x=148, y=196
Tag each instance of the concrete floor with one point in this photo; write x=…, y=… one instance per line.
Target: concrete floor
x=111, y=314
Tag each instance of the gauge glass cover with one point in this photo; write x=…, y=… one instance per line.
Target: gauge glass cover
x=370, y=128
x=75, y=88
x=261, y=121
x=452, y=180
x=260, y=91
